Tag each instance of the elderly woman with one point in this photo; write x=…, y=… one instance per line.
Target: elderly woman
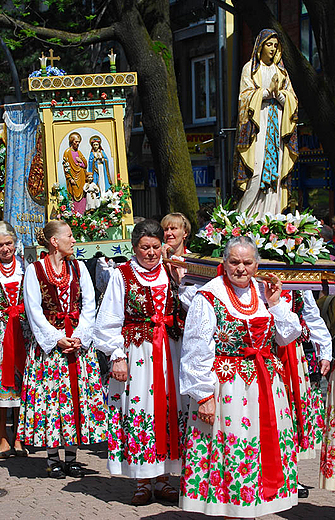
x=62, y=401
x=177, y=229
x=139, y=326
x=12, y=342
x=239, y=450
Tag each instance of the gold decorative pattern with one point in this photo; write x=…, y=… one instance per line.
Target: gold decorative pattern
x=83, y=81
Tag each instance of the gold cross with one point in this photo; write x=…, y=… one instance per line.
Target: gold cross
x=52, y=58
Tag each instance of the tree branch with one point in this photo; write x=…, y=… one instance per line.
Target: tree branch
x=67, y=38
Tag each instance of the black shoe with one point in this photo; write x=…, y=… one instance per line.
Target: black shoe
x=56, y=470
x=303, y=492
x=74, y=469
x=6, y=454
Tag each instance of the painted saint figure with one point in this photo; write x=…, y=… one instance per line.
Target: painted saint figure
x=92, y=193
x=266, y=140
x=98, y=165
x=75, y=165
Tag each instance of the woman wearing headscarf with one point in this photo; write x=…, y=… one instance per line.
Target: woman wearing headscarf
x=266, y=140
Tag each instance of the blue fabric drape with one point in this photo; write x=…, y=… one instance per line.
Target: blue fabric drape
x=270, y=171
x=20, y=210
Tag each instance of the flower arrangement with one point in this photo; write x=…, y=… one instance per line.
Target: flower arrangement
x=93, y=225
x=290, y=238
x=50, y=71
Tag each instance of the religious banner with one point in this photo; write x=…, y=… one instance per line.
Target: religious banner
x=24, y=186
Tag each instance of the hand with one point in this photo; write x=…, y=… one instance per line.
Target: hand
x=272, y=290
x=177, y=273
x=72, y=181
x=206, y=412
x=167, y=251
x=274, y=85
x=324, y=366
x=68, y=345
x=120, y=370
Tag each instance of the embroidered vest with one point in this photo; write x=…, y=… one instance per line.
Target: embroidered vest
x=139, y=308
x=51, y=305
x=233, y=335
x=4, y=303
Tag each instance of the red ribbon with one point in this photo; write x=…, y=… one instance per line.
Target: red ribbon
x=160, y=338
x=272, y=471
x=288, y=356
x=220, y=270
x=14, y=352
x=72, y=363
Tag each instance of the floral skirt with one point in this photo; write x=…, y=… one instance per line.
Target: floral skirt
x=222, y=470
x=312, y=410
x=327, y=462
x=10, y=396
x=131, y=430
x=47, y=412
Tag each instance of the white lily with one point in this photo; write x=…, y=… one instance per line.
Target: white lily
x=290, y=245
x=276, y=245
x=302, y=250
x=314, y=246
x=259, y=241
x=215, y=238
x=244, y=220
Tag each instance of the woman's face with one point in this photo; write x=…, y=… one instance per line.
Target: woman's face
x=7, y=248
x=241, y=265
x=148, y=252
x=269, y=50
x=174, y=235
x=64, y=241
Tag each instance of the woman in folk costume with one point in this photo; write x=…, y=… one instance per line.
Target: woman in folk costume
x=266, y=140
x=327, y=461
x=13, y=330
x=139, y=326
x=305, y=391
x=240, y=458
x=62, y=402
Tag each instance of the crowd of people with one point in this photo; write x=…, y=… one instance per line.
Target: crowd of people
x=215, y=383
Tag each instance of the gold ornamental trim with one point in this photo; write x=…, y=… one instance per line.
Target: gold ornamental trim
x=83, y=81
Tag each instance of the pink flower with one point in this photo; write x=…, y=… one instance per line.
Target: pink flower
x=188, y=472
x=290, y=228
x=236, y=232
x=84, y=439
x=143, y=437
x=203, y=488
x=246, y=421
x=219, y=437
x=204, y=464
x=247, y=494
x=196, y=433
x=264, y=229
x=320, y=421
x=226, y=450
x=227, y=477
x=222, y=494
x=215, y=478
x=149, y=455
x=273, y=237
x=244, y=401
x=53, y=102
x=133, y=446
x=62, y=398
x=232, y=439
x=104, y=95
x=209, y=230
x=298, y=241
x=227, y=398
x=250, y=452
x=137, y=420
x=189, y=443
x=224, y=232
x=228, y=422
x=244, y=469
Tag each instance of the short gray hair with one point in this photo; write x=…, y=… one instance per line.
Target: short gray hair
x=7, y=230
x=244, y=241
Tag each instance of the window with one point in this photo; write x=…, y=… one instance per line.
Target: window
x=307, y=40
x=203, y=89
